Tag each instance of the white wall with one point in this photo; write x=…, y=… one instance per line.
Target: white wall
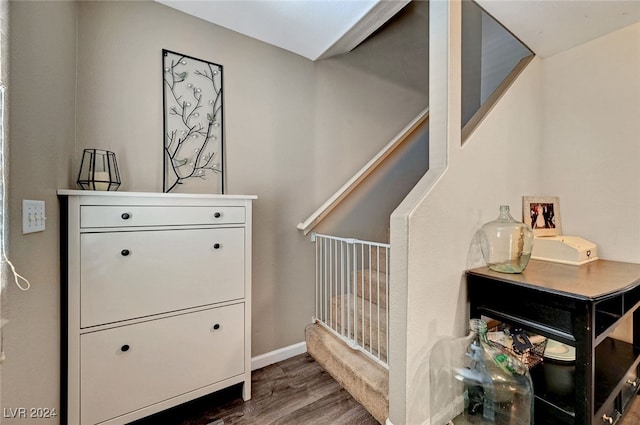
x=591, y=144
x=498, y=164
x=435, y=228
x=567, y=127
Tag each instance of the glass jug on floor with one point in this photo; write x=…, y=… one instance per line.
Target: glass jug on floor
x=475, y=381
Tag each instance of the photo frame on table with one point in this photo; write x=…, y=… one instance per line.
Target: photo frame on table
x=193, y=125
x=542, y=214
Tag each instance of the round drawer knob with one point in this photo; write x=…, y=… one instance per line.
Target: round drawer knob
x=217, y=214
x=125, y=252
x=216, y=246
x=216, y=326
x=125, y=216
x=125, y=348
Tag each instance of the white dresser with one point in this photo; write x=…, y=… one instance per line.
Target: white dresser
x=156, y=301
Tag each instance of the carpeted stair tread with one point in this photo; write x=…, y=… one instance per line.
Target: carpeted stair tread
x=369, y=338
x=366, y=380
x=380, y=262
x=375, y=289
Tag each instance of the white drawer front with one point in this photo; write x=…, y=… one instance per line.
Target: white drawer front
x=129, y=216
x=125, y=275
x=131, y=367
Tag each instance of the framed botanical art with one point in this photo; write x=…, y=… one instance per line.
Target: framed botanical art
x=193, y=125
x=542, y=213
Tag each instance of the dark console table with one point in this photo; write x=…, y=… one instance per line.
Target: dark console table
x=578, y=306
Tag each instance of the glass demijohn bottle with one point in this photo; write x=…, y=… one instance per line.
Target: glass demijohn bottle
x=480, y=384
x=498, y=386
x=506, y=244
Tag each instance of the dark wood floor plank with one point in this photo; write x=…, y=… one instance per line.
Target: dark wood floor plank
x=296, y=391
x=335, y=408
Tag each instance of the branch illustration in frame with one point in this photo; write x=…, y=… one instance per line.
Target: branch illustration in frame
x=193, y=125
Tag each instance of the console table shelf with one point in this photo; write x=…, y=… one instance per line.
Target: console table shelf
x=579, y=306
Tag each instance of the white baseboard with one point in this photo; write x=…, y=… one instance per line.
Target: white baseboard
x=275, y=356
x=388, y=422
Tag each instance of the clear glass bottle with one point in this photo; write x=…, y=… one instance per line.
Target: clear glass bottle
x=506, y=244
x=480, y=384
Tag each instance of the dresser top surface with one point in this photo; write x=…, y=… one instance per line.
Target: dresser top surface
x=107, y=194
x=591, y=281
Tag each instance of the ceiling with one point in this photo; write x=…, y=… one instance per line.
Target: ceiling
x=317, y=29
x=551, y=26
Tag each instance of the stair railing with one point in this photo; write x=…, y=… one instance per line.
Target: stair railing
x=342, y=193
x=352, y=291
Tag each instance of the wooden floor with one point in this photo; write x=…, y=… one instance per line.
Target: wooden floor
x=296, y=391
x=632, y=417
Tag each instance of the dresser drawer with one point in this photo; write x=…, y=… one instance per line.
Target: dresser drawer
x=608, y=414
x=92, y=216
x=124, y=275
x=629, y=389
x=131, y=367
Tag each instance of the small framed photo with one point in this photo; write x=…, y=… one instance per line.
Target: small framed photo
x=542, y=213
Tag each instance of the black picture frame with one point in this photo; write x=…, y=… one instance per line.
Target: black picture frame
x=193, y=130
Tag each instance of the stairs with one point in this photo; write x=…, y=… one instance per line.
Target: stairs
x=366, y=379
x=371, y=330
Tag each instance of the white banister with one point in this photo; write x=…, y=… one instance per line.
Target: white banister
x=315, y=218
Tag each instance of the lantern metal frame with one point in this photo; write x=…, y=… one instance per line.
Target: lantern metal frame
x=99, y=170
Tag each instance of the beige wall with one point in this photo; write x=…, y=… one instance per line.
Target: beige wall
x=41, y=150
x=567, y=127
x=4, y=78
x=268, y=95
x=295, y=131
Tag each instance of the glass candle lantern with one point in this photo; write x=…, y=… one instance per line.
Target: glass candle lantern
x=99, y=170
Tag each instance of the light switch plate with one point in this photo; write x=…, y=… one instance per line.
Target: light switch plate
x=33, y=216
